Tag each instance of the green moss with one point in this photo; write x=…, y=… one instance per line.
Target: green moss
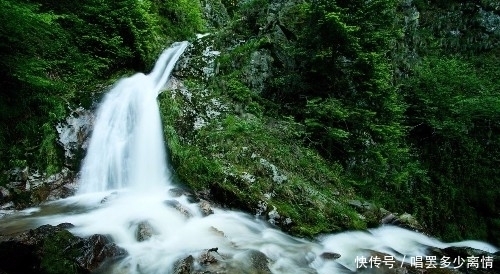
x=58, y=254
x=247, y=158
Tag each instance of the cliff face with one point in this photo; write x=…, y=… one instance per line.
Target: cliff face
x=315, y=115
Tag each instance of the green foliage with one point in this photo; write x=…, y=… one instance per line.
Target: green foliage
x=30, y=91
x=351, y=108
x=230, y=5
x=253, y=162
x=55, y=55
x=179, y=19
x=454, y=106
x=430, y=140
x=397, y=102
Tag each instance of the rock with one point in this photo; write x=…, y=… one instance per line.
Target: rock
x=109, y=197
x=215, y=13
x=258, y=70
x=178, y=192
x=388, y=219
x=184, y=266
x=7, y=206
x=209, y=256
x=253, y=261
x=204, y=194
x=4, y=194
x=53, y=249
x=205, y=207
x=39, y=188
x=199, y=59
x=386, y=266
x=217, y=232
x=74, y=133
x=210, y=261
x=329, y=256
x=175, y=204
x=16, y=185
x=144, y=231
x=361, y=205
x=63, y=191
x=96, y=249
x=456, y=254
x=404, y=220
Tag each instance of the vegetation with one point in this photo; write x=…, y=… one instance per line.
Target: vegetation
x=311, y=103
x=397, y=99
x=56, y=55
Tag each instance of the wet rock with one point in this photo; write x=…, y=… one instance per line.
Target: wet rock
x=7, y=206
x=178, y=192
x=487, y=262
x=96, y=249
x=74, y=133
x=451, y=254
x=210, y=261
x=329, y=256
x=404, y=220
x=217, y=232
x=144, y=231
x=109, y=197
x=16, y=185
x=209, y=256
x=61, y=185
x=206, y=208
x=38, y=188
x=204, y=194
x=179, y=207
x=53, y=249
x=184, y=266
x=389, y=218
x=252, y=261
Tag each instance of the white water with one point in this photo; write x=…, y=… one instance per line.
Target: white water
x=126, y=166
x=127, y=146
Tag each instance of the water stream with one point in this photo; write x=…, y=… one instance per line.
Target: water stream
x=125, y=180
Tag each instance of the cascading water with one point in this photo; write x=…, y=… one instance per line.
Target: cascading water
x=125, y=182
x=127, y=146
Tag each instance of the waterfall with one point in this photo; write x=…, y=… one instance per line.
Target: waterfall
x=125, y=185
x=127, y=146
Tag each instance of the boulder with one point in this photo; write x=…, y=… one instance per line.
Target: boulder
x=95, y=250
x=329, y=256
x=144, y=231
x=404, y=220
x=486, y=262
x=53, y=249
x=179, y=207
x=206, y=208
x=177, y=192
x=254, y=261
x=184, y=266
x=209, y=256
